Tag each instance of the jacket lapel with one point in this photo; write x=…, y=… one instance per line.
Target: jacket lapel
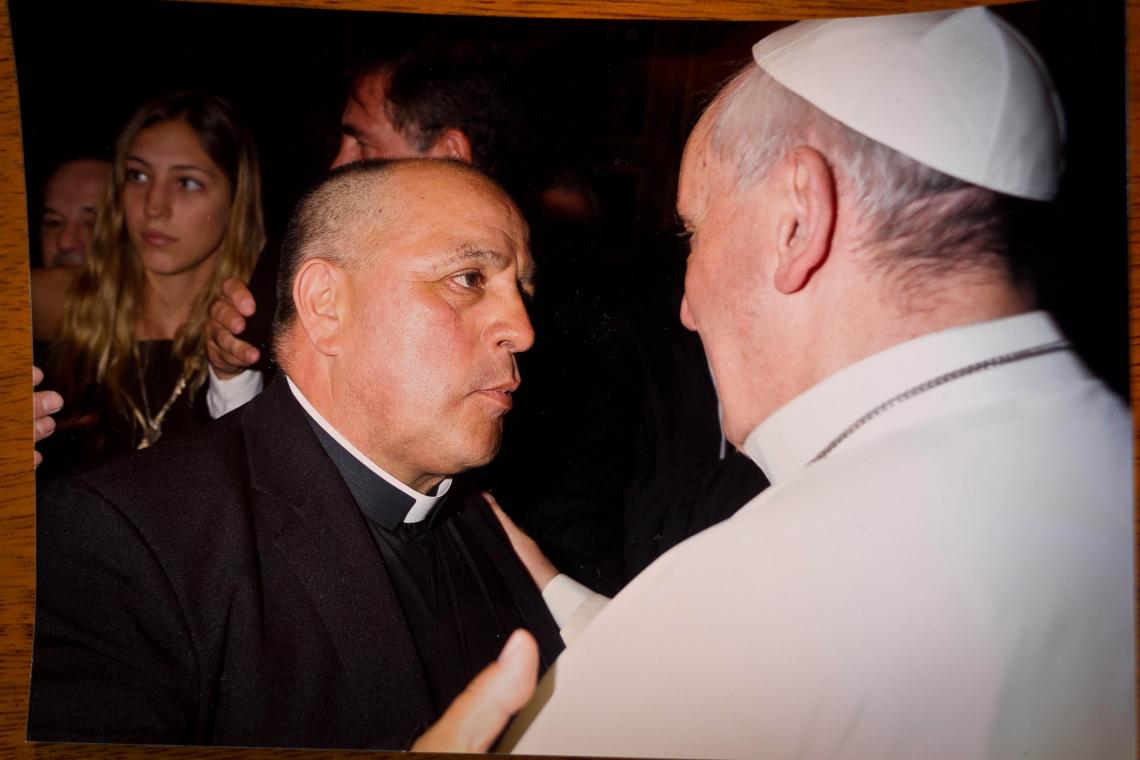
x=302, y=503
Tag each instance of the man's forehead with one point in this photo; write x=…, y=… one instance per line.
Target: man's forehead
x=370, y=89
x=461, y=210
x=432, y=186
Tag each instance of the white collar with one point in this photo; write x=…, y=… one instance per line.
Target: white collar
x=795, y=433
x=423, y=504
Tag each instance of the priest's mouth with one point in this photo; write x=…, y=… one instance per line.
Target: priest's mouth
x=500, y=395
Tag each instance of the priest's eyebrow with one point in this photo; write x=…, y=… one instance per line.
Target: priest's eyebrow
x=493, y=259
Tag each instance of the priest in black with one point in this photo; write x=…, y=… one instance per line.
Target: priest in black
x=305, y=572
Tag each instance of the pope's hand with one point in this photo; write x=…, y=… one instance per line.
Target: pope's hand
x=482, y=710
x=540, y=568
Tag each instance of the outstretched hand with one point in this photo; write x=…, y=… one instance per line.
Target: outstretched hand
x=482, y=710
x=228, y=354
x=540, y=568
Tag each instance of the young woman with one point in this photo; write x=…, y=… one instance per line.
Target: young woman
x=182, y=213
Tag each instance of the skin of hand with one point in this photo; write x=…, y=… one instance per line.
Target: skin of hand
x=481, y=711
x=540, y=568
x=228, y=354
x=44, y=404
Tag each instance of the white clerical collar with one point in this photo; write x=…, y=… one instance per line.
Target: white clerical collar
x=423, y=504
x=798, y=431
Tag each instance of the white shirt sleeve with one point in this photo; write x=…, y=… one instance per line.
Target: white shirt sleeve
x=572, y=605
x=224, y=396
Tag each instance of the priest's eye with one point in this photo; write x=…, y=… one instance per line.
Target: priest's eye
x=468, y=280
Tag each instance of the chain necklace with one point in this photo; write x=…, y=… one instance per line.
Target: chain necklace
x=1015, y=356
x=152, y=426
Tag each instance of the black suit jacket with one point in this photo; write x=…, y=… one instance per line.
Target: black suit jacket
x=224, y=588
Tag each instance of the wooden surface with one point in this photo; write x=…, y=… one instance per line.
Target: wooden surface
x=742, y=10
x=16, y=475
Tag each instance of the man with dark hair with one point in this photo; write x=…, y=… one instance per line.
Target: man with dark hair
x=433, y=101
x=305, y=572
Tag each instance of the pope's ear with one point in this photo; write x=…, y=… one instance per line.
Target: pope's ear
x=452, y=143
x=808, y=187
x=319, y=294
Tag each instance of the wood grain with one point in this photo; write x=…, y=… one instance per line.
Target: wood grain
x=741, y=10
x=16, y=474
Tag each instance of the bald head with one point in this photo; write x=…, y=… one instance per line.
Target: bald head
x=346, y=218
x=403, y=303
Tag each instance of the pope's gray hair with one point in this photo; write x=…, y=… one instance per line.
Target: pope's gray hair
x=913, y=214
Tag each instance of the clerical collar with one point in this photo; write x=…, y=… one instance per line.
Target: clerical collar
x=797, y=432
x=421, y=505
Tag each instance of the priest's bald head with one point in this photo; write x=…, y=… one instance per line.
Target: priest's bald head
x=852, y=189
x=402, y=305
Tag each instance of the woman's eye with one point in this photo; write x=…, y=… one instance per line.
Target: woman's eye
x=134, y=175
x=189, y=183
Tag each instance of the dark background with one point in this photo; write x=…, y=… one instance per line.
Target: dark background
x=610, y=100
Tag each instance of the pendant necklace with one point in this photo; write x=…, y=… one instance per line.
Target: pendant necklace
x=996, y=361
x=152, y=426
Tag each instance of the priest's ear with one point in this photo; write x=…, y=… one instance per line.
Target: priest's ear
x=320, y=296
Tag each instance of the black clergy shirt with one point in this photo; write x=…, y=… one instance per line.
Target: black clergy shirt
x=458, y=609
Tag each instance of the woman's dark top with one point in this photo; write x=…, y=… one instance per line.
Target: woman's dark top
x=114, y=432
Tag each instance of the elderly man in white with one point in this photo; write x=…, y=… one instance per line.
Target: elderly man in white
x=942, y=567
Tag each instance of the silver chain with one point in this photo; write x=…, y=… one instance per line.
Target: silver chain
x=1015, y=356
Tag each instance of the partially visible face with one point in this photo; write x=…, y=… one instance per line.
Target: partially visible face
x=721, y=278
x=438, y=315
x=366, y=129
x=176, y=200
x=71, y=201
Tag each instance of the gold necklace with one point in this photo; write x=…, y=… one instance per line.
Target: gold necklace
x=152, y=426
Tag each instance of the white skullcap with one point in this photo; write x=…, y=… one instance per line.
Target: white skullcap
x=959, y=91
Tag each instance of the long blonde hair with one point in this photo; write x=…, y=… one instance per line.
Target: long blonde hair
x=96, y=341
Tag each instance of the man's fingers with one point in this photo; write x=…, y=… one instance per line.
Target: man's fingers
x=480, y=713
x=507, y=523
x=237, y=293
x=224, y=318
x=44, y=427
x=230, y=355
x=44, y=403
x=227, y=353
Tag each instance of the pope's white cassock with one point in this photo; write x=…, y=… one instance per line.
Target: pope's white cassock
x=953, y=579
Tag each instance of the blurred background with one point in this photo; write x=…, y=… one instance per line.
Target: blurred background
x=605, y=106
